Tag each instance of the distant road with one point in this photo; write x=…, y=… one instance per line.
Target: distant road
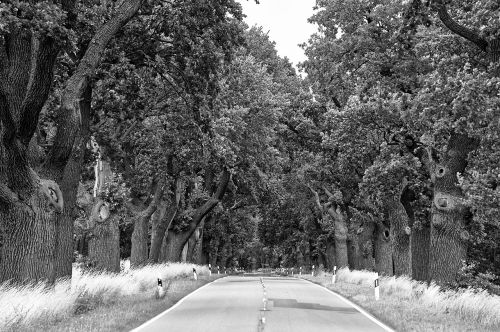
x=236, y=304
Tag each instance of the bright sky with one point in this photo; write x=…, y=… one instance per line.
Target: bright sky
x=286, y=21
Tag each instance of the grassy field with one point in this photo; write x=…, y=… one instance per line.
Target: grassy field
x=97, y=301
x=408, y=305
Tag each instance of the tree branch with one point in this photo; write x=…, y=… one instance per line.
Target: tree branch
x=160, y=187
x=69, y=117
x=38, y=90
x=316, y=197
x=458, y=29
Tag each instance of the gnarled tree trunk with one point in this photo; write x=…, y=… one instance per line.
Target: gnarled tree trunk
x=104, y=242
x=383, y=250
x=158, y=232
x=140, y=236
x=448, y=232
x=340, y=235
x=365, y=242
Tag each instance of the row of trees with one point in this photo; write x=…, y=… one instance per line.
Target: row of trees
x=403, y=178
x=173, y=132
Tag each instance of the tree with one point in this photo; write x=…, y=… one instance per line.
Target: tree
x=32, y=199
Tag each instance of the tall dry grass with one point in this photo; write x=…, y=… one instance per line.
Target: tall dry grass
x=22, y=305
x=470, y=304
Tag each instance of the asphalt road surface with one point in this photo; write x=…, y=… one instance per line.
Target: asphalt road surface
x=237, y=304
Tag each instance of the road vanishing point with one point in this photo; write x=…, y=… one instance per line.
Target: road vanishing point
x=256, y=304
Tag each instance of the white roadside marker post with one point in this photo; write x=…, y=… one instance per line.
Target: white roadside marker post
x=209, y=270
x=312, y=271
x=300, y=271
x=377, y=289
x=334, y=276
x=160, y=292
x=195, y=276
x=218, y=271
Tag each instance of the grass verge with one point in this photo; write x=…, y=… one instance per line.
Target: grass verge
x=97, y=301
x=408, y=305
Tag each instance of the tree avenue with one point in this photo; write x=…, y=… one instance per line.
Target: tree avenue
x=171, y=131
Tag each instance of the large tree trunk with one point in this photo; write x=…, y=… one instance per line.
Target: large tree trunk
x=162, y=224
x=420, y=242
x=400, y=238
x=383, y=251
x=330, y=255
x=448, y=234
x=194, y=252
x=104, y=243
x=28, y=241
x=174, y=244
x=139, y=251
x=340, y=226
x=69, y=188
x=365, y=241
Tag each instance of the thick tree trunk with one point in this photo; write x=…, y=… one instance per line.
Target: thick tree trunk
x=139, y=252
x=195, y=254
x=383, y=251
x=420, y=242
x=104, y=243
x=214, y=251
x=340, y=226
x=353, y=255
x=28, y=241
x=159, y=228
x=365, y=241
x=448, y=223
x=400, y=237
x=174, y=244
x=69, y=188
x=104, y=246
x=330, y=255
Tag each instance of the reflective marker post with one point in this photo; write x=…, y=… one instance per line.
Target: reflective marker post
x=377, y=289
x=300, y=271
x=160, y=292
x=195, y=276
x=312, y=271
x=334, y=276
x=209, y=270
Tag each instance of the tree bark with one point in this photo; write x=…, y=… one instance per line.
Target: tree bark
x=104, y=242
x=69, y=188
x=340, y=226
x=158, y=232
x=448, y=222
x=365, y=241
x=139, y=251
x=174, y=244
x=420, y=242
x=383, y=250
x=400, y=237
x=330, y=255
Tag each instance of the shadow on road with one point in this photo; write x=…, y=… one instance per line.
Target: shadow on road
x=293, y=303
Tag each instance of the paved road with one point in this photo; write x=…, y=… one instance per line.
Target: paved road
x=236, y=304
